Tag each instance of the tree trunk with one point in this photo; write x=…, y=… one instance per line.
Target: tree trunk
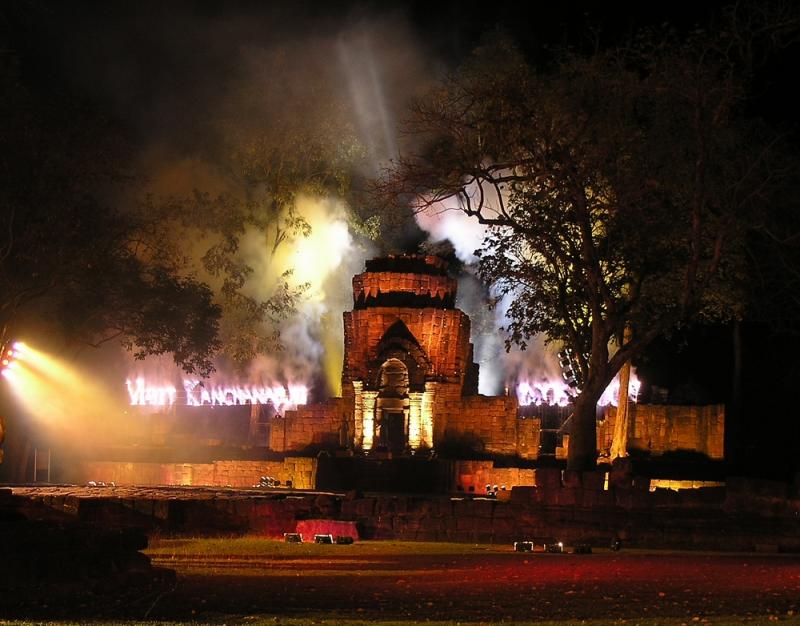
x=582, y=453
x=619, y=441
x=733, y=452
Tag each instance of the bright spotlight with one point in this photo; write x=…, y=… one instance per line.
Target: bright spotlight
x=9, y=356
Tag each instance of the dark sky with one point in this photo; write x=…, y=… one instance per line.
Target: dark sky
x=160, y=65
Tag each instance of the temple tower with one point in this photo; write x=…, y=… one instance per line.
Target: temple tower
x=406, y=351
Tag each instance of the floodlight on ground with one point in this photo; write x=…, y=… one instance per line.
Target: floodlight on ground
x=9, y=360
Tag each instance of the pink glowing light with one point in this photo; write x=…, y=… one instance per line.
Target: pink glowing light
x=554, y=392
x=143, y=393
x=539, y=392
x=205, y=393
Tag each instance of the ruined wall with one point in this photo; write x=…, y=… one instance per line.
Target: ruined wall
x=443, y=334
x=489, y=421
x=571, y=507
x=658, y=429
x=300, y=471
x=322, y=425
x=373, y=284
x=473, y=476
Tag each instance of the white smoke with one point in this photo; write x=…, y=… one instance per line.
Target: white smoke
x=499, y=370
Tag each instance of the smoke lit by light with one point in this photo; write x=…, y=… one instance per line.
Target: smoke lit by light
x=552, y=393
x=73, y=406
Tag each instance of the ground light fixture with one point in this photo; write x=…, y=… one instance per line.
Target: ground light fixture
x=10, y=356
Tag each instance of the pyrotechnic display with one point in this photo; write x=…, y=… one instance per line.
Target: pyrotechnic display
x=325, y=273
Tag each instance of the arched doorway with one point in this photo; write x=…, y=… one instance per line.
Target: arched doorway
x=391, y=427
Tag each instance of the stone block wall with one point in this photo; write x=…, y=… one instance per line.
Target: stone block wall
x=658, y=429
x=529, y=436
x=301, y=471
x=570, y=507
x=491, y=420
x=323, y=425
x=443, y=335
x=372, y=284
x=473, y=476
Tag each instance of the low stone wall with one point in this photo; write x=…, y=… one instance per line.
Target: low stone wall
x=301, y=471
x=570, y=507
x=473, y=476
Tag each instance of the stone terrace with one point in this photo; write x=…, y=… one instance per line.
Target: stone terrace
x=745, y=515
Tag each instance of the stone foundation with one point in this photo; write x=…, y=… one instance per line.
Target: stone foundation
x=563, y=506
x=300, y=471
x=322, y=425
x=473, y=476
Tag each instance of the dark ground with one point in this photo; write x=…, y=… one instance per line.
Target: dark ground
x=418, y=582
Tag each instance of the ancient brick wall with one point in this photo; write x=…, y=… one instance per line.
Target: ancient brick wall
x=490, y=421
x=658, y=429
x=443, y=334
x=309, y=425
x=529, y=437
x=371, y=284
x=301, y=471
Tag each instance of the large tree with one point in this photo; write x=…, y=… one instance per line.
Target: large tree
x=70, y=259
x=616, y=188
x=278, y=142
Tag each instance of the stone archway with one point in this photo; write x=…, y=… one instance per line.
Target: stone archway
x=391, y=414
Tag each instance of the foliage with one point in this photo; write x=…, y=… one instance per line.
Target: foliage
x=282, y=141
x=70, y=260
x=616, y=190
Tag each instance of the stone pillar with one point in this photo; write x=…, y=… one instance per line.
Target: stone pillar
x=370, y=400
x=415, y=419
x=358, y=413
x=426, y=422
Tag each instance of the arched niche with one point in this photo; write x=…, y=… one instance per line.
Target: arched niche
x=391, y=415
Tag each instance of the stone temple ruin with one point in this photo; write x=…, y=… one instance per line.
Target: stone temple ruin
x=409, y=392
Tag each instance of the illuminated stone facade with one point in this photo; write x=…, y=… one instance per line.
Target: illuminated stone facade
x=409, y=385
x=407, y=349
x=659, y=429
